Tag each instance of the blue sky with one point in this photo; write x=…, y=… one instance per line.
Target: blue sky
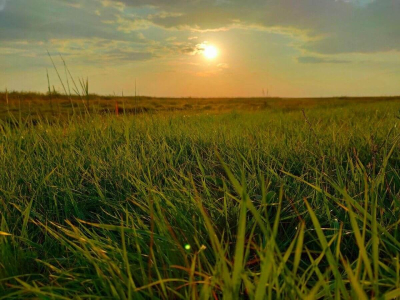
x=294, y=48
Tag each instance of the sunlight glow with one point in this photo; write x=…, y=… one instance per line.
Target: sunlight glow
x=210, y=52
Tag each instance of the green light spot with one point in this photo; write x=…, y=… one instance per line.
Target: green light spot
x=187, y=247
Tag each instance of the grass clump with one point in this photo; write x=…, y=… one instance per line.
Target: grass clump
x=262, y=205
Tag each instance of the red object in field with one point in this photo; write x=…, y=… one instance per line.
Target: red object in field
x=116, y=108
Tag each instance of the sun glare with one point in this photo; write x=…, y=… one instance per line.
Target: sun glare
x=210, y=52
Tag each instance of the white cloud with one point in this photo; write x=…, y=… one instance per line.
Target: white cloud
x=330, y=26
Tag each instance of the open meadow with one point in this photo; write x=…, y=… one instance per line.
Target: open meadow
x=216, y=199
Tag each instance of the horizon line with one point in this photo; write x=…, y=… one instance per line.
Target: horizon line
x=58, y=94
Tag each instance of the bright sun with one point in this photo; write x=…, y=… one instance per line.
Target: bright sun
x=210, y=52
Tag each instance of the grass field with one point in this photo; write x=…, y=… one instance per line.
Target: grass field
x=55, y=106
x=216, y=199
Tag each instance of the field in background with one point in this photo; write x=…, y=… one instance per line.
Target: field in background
x=41, y=106
x=217, y=199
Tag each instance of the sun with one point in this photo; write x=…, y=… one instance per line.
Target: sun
x=210, y=52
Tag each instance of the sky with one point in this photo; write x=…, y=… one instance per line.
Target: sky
x=285, y=48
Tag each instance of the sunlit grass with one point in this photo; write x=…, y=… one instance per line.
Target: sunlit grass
x=262, y=205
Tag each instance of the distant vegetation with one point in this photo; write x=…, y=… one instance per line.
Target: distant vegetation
x=54, y=105
x=254, y=199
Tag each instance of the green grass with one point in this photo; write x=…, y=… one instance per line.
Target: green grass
x=55, y=106
x=271, y=204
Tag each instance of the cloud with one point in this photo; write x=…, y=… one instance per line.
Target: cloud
x=3, y=4
x=77, y=52
x=100, y=50
x=223, y=66
x=129, y=23
x=321, y=27
x=327, y=26
x=191, y=49
x=72, y=3
x=320, y=60
x=156, y=3
x=43, y=20
x=129, y=56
